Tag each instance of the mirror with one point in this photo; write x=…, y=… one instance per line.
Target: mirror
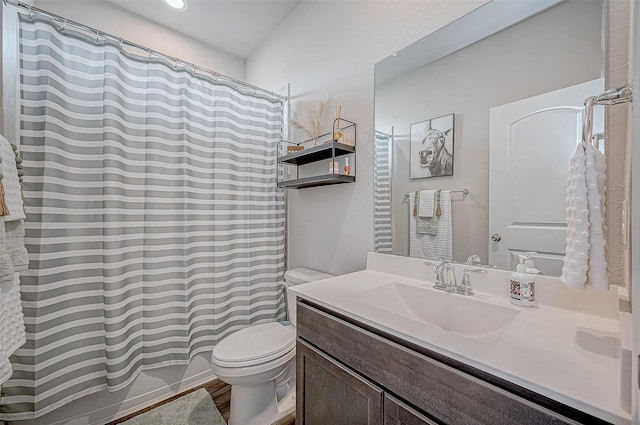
x=514, y=75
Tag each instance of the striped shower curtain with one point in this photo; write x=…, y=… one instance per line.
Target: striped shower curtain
x=154, y=224
x=382, y=194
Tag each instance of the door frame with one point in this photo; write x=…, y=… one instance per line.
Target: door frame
x=635, y=221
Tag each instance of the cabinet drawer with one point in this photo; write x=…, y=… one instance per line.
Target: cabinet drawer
x=447, y=394
x=398, y=413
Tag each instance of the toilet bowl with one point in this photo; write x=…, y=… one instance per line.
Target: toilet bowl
x=259, y=364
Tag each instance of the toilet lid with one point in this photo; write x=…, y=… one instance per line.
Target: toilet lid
x=255, y=344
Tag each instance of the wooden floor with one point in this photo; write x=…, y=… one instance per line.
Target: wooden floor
x=220, y=393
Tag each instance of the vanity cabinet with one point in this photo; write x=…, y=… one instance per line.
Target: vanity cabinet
x=348, y=368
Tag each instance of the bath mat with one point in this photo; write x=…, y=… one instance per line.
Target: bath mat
x=195, y=408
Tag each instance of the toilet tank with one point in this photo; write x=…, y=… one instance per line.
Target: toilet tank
x=295, y=277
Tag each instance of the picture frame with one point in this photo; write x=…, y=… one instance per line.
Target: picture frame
x=431, y=147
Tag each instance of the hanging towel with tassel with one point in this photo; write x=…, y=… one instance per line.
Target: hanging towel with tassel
x=585, y=257
x=436, y=247
x=4, y=210
x=425, y=212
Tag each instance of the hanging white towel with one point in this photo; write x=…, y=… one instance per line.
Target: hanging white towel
x=12, y=190
x=427, y=203
x=15, y=245
x=436, y=247
x=15, y=334
x=6, y=266
x=597, y=274
x=5, y=366
x=585, y=260
x=12, y=331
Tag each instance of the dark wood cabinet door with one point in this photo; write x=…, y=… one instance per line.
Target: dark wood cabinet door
x=330, y=394
x=398, y=413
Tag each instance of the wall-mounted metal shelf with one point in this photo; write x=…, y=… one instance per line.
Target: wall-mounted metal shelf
x=321, y=180
x=317, y=153
x=341, y=142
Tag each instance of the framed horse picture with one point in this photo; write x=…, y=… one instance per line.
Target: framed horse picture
x=432, y=147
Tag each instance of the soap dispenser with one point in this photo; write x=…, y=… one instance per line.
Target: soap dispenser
x=528, y=264
x=522, y=286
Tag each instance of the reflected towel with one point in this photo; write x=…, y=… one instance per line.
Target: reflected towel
x=426, y=203
x=436, y=247
x=427, y=225
x=585, y=261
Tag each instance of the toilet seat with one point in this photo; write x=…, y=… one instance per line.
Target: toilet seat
x=254, y=345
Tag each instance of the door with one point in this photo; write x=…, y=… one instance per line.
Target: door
x=531, y=145
x=398, y=413
x=329, y=393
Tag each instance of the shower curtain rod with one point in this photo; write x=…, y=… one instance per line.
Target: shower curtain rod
x=152, y=53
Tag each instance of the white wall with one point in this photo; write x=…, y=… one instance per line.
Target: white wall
x=107, y=17
x=468, y=83
x=330, y=48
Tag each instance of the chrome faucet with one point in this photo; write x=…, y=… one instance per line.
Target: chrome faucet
x=444, y=272
x=446, y=278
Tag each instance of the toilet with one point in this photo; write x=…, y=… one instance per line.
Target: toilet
x=259, y=363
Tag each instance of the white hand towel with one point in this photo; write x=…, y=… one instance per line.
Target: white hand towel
x=597, y=275
x=12, y=331
x=15, y=245
x=427, y=203
x=5, y=366
x=574, y=270
x=12, y=189
x=14, y=334
x=585, y=258
x=435, y=247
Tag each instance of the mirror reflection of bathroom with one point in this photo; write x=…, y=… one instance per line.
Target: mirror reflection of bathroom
x=517, y=99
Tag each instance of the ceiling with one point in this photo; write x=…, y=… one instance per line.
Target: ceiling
x=233, y=26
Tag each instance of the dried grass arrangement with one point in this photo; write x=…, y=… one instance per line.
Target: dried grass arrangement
x=316, y=121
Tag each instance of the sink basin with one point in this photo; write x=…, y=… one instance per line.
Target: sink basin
x=464, y=315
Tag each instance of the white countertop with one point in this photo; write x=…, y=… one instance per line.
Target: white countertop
x=566, y=355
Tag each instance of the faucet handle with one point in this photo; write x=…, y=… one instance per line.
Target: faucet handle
x=473, y=260
x=439, y=283
x=465, y=286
